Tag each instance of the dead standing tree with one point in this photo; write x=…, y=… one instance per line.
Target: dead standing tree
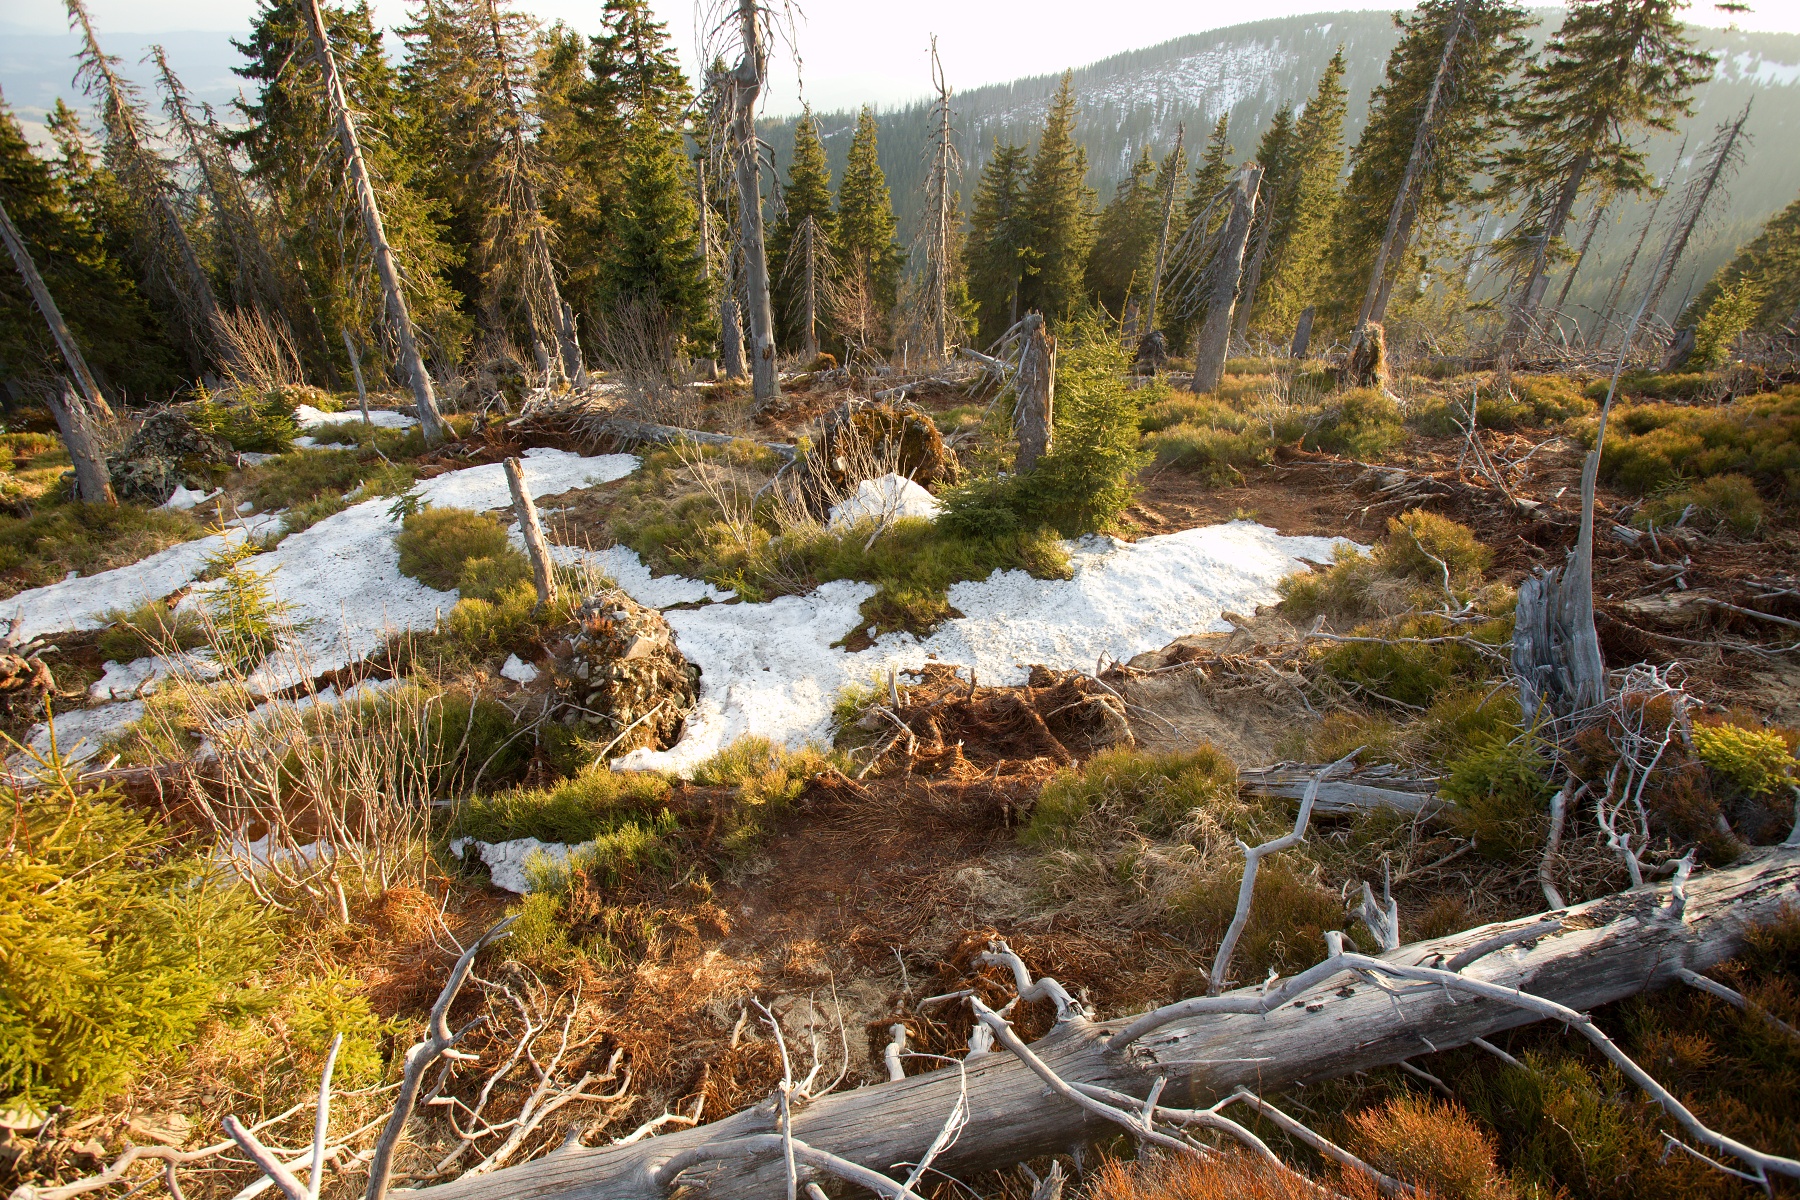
x=1162, y=238
x=810, y=276
x=73, y=412
x=386, y=268
x=745, y=84
x=174, y=264
x=1213, y=341
x=939, y=231
x=1723, y=156
x=1404, y=212
x=1034, y=389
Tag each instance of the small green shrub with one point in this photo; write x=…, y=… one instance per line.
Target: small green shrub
x=333, y=1005
x=1650, y=447
x=246, y=618
x=264, y=425
x=151, y=628
x=1726, y=319
x=1756, y=762
x=114, y=946
x=1289, y=917
x=1500, y=788
x=1721, y=502
x=1359, y=422
x=1421, y=545
x=767, y=778
x=436, y=543
x=1153, y=792
x=576, y=810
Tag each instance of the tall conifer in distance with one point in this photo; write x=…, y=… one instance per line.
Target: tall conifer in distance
x=1615, y=71
x=586, y=147
x=994, y=253
x=1490, y=46
x=807, y=196
x=1125, y=237
x=1212, y=172
x=1059, y=214
x=866, y=245
x=1304, y=205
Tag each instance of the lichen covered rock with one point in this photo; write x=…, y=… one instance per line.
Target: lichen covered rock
x=165, y=453
x=620, y=673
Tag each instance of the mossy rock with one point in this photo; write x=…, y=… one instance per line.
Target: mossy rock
x=619, y=670
x=167, y=451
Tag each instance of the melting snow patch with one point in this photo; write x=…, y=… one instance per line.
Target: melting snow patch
x=308, y=417
x=80, y=603
x=771, y=670
x=518, y=670
x=79, y=732
x=142, y=676
x=883, y=500
x=509, y=863
x=622, y=565
x=184, y=498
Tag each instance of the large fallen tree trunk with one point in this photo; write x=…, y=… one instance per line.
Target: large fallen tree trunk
x=1592, y=954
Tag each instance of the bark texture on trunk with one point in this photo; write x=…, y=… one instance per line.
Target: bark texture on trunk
x=1162, y=237
x=1035, y=394
x=765, y=383
x=1213, y=341
x=1603, y=951
x=46, y=306
x=93, y=482
x=1302, y=333
x=542, y=573
x=385, y=266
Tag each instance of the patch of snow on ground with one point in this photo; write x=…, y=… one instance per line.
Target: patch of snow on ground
x=771, y=670
x=507, y=861
x=79, y=732
x=142, y=676
x=80, y=603
x=883, y=500
x=308, y=417
x=184, y=498
x=622, y=565
x=518, y=670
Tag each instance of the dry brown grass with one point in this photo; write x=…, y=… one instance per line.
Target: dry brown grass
x=1435, y=1146
x=1230, y=1176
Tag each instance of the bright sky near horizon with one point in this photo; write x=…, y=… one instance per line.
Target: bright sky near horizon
x=857, y=51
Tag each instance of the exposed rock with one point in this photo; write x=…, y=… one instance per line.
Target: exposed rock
x=619, y=670
x=166, y=452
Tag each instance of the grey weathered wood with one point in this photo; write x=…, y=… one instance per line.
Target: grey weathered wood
x=746, y=84
x=1381, y=786
x=1162, y=237
x=1034, y=394
x=1605, y=950
x=542, y=572
x=1302, y=333
x=1213, y=341
x=386, y=268
x=362, y=391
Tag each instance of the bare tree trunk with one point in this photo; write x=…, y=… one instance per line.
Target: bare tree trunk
x=1302, y=333
x=362, y=393
x=430, y=420
x=1162, y=238
x=46, y=306
x=731, y=332
x=1518, y=328
x=1587, y=239
x=1035, y=394
x=93, y=482
x=1617, y=290
x=1240, y=323
x=1394, y=241
x=1598, y=953
x=747, y=83
x=809, y=341
x=938, y=198
x=1724, y=156
x=532, y=531
x=1212, y=342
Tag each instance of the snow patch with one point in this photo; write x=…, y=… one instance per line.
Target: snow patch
x=78, y=733
x=518, y=670
x=622, y=565
x=771, y=669
x=184, y=498
x=883, y=500
x=508, y=862
x=308, y=417
x=81, y=603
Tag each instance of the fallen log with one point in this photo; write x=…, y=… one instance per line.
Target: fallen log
x=1380, y=786
x=1592, y=954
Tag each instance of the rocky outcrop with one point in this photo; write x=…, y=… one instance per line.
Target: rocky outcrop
x=620, y=674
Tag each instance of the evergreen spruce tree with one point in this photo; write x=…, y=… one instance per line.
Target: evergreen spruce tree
x=1059, y=215
x=586, y=151
x=637, y=75
x=653, y=254
x=867, y=248
x=1615, y=71
x=1302, y=204
x=1211, y=174
x=994, y=255
x=97, y=298
x=1491, y=45
x=1769, y=267
x=287, y=134
x=807, y=196
x=1125, y=237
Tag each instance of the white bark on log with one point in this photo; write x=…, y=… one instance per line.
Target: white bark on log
x=542, y=573
x=1380, y=786
x=1603, y=951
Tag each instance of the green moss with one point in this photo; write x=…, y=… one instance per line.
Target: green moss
x=1156, y=793
x=576, y=810
x=1650, y=447
x=1359, y=422
x=1500, y=787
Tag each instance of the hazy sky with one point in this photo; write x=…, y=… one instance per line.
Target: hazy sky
x=858, y=50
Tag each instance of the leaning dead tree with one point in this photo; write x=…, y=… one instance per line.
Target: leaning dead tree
x=1617, y=291
x=73, y=412
x=387, y=269
x=1166, y=1074
x=1724, y=154
x=1176, y=164
x=1404, y=211
x=144, y=175
x=1213, y=341
x=744, y=85
x=938, y=234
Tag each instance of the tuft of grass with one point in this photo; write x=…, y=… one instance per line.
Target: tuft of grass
x=436, y=544
x=63, y=535
x=153, y=627
x=307, y=475
x=767, y=779
x=1501, y=788
x=1358, y=422
x=1156, y=793
x=1651, y=447
x=1720, y=502
x=1289, y=917
x=596, y=801
x=1435, y=1146
x=1229, y=1174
